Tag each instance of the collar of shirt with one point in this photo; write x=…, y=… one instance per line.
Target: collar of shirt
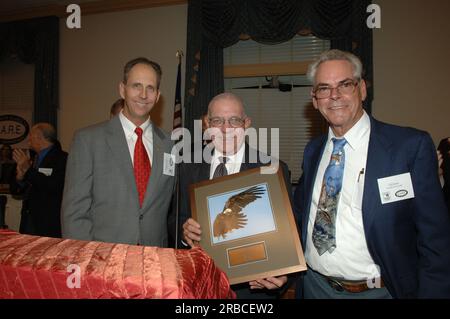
x=129, y=127
x=356, y=134
x=233, y=164
x=42, y=154
x=131, y=136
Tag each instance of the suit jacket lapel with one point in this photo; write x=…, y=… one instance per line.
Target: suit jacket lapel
x=378, y=163
x=157, y=166
x=309, y=182
x=204, y=168
x=116, y=141
x=246, y=163
x=47, y=160
x=204, y=171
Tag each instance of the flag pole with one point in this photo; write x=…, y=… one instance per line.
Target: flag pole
x=179, y=56
x=178, y=111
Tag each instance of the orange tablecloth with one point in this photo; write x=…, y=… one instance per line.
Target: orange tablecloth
x=42, y=267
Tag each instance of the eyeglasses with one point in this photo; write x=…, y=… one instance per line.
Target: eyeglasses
x=232, y=121
x=345, y=88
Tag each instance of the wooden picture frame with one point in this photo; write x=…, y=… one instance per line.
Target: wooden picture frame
x=248, y=226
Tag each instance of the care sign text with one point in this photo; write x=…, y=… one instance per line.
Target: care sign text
x=13, y=129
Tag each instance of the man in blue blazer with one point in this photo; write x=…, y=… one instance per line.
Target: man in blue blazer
x=377, y=227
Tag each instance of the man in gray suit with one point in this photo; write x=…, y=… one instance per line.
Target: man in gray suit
x=120, y=178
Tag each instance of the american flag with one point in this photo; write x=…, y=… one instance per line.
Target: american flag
x=177, y=112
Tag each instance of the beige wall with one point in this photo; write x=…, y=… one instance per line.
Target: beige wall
x=412, y=65
x=92, y=60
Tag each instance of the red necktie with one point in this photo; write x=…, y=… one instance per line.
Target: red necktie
x=142, y=167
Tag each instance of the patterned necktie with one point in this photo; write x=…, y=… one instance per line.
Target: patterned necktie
x=324, y=232
x=221, y=169
x=142, y=167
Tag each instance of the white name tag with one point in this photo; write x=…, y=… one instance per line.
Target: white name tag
x=395, y=188
x=169, y=164
x=46, y=171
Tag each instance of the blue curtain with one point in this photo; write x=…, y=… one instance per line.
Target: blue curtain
x=217, y=24
x=36, y=41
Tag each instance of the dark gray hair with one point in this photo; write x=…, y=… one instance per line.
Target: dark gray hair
x=332, y=55
x=155, y=66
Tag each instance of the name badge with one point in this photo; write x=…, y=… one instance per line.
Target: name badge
x=46, y=171
x=395, y=188
x=169, y=164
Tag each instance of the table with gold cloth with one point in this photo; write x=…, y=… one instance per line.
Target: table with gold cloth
x=42, y=267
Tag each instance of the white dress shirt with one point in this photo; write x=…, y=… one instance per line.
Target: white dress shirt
x=233, y=163
x=351, y=259
x=131, y=136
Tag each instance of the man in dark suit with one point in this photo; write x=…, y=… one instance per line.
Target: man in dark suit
x=226, y=122
x=376, y=225
x=41, y=181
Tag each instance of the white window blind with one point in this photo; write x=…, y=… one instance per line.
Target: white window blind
x=291, y=111
x=299, y=48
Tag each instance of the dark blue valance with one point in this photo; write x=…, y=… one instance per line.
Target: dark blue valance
x=36, y=41
x=217, y=24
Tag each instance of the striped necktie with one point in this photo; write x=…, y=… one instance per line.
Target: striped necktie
x=221, y=169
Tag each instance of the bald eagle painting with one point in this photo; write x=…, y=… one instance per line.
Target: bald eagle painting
x=233, y=216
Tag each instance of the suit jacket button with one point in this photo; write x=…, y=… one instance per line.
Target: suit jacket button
x=141, y=217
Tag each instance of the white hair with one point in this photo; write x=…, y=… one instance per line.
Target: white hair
x=332, y=55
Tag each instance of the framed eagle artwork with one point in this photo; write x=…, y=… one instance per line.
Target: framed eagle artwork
x=248, y=225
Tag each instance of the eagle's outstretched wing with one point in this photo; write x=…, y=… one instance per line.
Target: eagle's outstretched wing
x=239, y=201
x=232, y=216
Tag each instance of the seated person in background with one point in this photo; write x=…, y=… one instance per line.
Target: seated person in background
x=41, y=181
x=444, y=167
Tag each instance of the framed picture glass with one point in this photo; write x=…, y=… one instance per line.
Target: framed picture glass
x=248, y=226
